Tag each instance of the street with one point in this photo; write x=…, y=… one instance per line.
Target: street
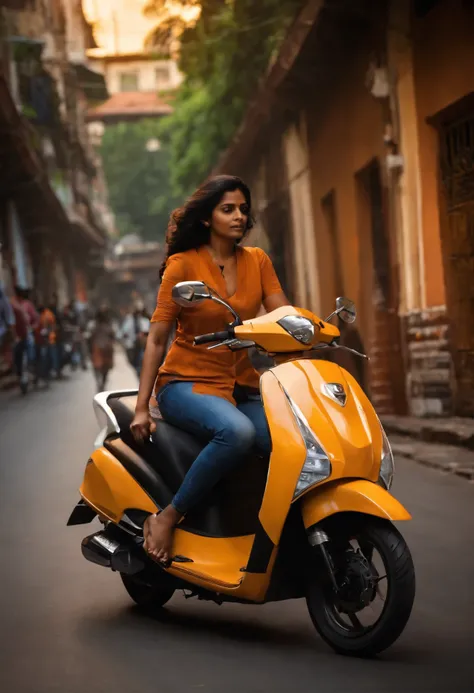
x=69, y=627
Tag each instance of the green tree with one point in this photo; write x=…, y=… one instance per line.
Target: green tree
x=138, y=179
x=223, y=57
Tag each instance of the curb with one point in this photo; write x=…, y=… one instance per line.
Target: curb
x=448, y=459
x=453, y=432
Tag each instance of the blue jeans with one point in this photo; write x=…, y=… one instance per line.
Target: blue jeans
x=232, y=432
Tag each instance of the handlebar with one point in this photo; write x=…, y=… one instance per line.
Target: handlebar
x=213, y=337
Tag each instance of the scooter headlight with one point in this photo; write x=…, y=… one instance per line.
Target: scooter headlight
x=317, y=466
x=300, y=328
x=387, y=465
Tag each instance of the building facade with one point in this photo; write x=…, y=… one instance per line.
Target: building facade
x=359, y=150
x=139, y=86
x=54, y=220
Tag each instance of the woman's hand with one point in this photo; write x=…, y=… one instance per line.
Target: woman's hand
x=142, y=426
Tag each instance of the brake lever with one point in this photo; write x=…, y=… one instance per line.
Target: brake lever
x=319, y=347
x=236, y=343
x=224, y=343
x=353, y=351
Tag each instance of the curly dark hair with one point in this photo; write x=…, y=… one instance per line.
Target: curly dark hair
x=186, y=228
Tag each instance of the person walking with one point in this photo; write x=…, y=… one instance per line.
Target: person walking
x=102, y=347
x=20, y=349
x=7, y=330
x=45, y=338
x=134, y=331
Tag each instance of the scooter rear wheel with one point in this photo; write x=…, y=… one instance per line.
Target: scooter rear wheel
x=146, y=595
x=340, y=616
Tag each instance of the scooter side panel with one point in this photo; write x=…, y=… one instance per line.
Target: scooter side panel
x=350, y=496
x=213, y=562
x=110, y=489
x=350, y=433
x=286, y=461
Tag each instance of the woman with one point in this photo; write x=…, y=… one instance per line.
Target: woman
x=196, y=389
x=102, y=348
x=45, y=338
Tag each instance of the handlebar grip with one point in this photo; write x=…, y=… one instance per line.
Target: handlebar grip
x=212, y=337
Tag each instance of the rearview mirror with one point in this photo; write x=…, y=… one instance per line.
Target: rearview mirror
x=186, y=293
x=346, y=310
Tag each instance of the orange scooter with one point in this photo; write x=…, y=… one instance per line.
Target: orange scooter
x=313, y=521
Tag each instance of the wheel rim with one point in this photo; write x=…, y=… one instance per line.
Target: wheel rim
x=360, y=603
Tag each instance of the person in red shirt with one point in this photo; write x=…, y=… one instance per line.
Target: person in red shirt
x=22, y=331
x=33, y=322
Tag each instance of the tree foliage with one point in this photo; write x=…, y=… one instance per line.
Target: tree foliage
x=223, y=56
x=138, y=179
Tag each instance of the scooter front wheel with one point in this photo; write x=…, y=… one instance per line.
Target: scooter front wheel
x=147, y=594
x=371, y=563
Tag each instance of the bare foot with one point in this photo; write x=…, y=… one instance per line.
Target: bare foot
x=158, y=533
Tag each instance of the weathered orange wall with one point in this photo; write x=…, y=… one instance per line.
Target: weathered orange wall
x=345, y=132
x=444, y=73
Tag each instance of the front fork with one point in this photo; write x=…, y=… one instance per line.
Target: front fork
x=318, y=539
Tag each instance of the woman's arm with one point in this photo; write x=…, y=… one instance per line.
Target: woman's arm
x=156, y=342
x=152, y=360
x=273, y=295
x=275, y=301
x=162, y=322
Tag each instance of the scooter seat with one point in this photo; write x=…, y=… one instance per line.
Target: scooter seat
x=171, y=451
x=160, y=466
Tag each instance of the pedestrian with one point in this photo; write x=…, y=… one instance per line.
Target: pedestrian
x=33, y=320
x=45, y=339
x=20, y=349
x=102, y=347
x=70, y=324
x=134, y=332
x=7, y=327
x=82, y=313
x=57, y=346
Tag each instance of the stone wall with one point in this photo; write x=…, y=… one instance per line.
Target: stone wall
x=430, y=376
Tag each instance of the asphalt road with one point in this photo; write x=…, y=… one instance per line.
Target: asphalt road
x=67, y=626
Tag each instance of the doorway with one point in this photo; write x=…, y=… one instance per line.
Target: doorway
x=456, y=140
x=378, y=298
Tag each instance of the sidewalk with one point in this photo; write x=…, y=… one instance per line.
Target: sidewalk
x=443, y=444
x=448, y=431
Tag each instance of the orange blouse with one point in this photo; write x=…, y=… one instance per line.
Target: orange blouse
x=214, y=372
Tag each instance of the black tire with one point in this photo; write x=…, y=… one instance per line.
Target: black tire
x=145, y=595
x=398, y=605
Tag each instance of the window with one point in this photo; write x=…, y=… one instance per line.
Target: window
x=128, y=81
x=162, y=77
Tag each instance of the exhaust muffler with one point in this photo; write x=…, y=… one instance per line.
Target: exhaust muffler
x=108, y=552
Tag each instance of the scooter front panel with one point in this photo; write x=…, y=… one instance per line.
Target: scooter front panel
x=286, y=460
x=348, y=428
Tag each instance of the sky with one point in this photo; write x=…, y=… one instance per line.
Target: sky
x=119, y=25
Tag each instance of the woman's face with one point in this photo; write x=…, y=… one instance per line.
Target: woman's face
x=229, y=218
